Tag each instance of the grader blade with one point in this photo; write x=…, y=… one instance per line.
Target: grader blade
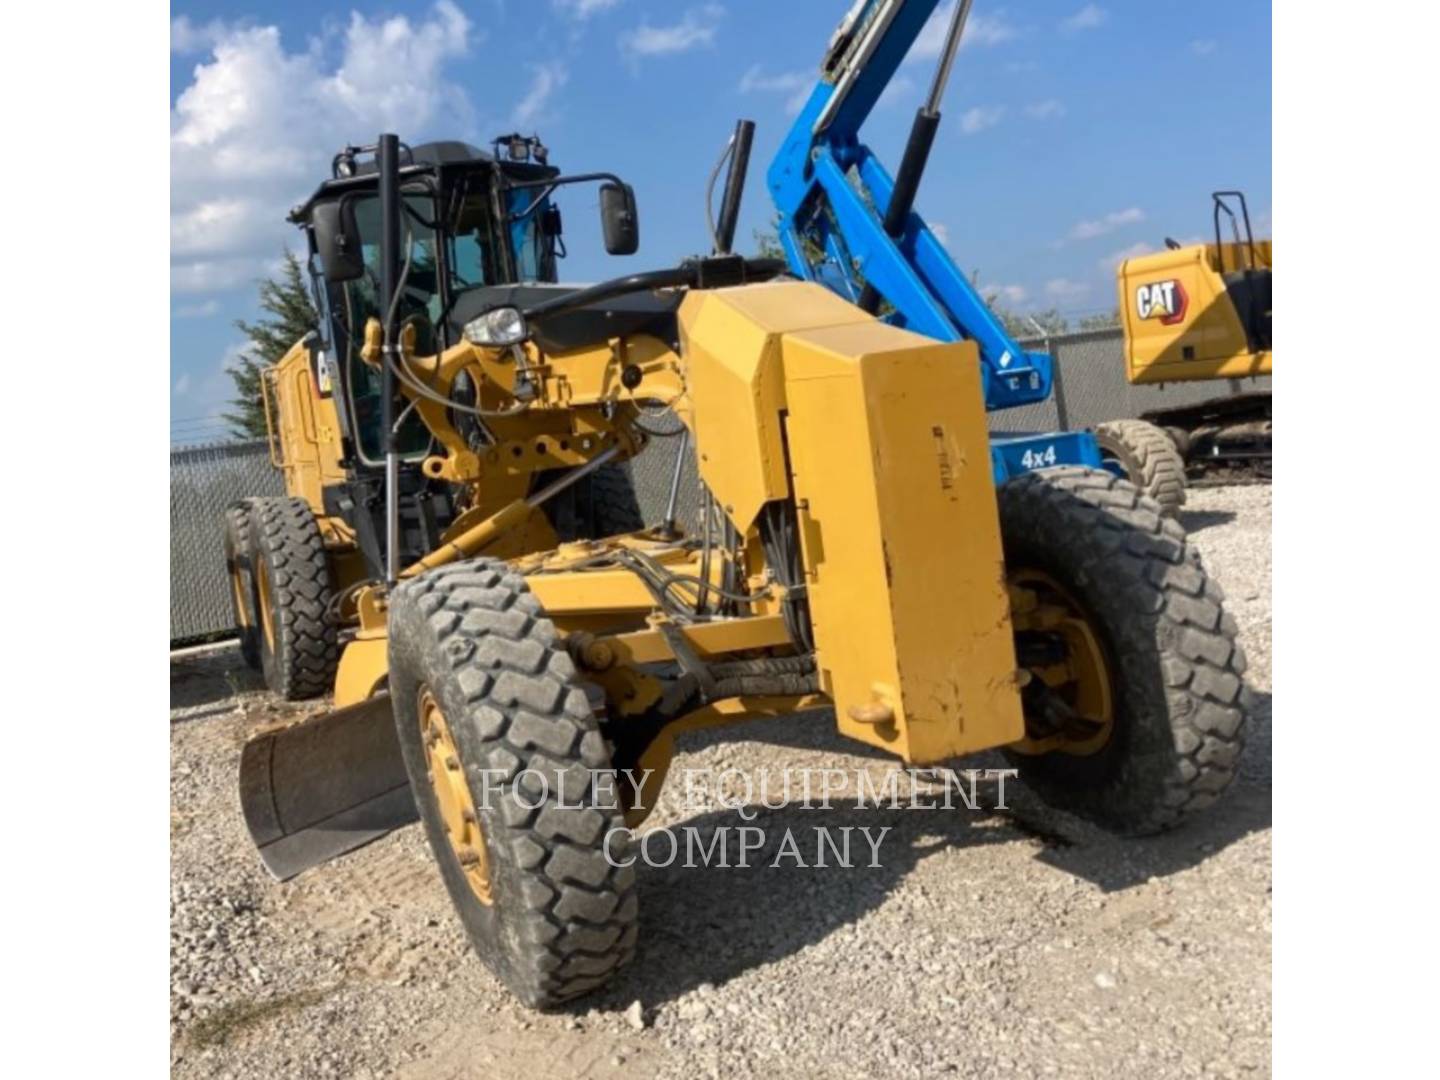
x=316, y=789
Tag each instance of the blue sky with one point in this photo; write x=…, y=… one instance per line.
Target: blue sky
x=1073, y=132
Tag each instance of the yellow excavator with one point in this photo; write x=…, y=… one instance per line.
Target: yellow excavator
x=1196, y=313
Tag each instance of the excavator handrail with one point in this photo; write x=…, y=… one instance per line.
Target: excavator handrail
x=1218, y=198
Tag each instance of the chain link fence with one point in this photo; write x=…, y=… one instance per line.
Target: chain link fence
x=1090, y=388
x=204, y=480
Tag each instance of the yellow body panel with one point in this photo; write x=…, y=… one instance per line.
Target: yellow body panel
x=731, y=345
x=1180, y=323
x=888, y=447
x=364, y=667
x=898, y=517
x=304, y=427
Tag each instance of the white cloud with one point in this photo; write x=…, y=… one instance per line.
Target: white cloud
x=696, y=30
x=980, y=29
x=1049, y=109
x=255, y=129
x=1063, y=289
x=1087, y=18
x=941, y=231
x=217, y=275
x=202, y=395
x=794, y=84
x=896, y=90
x=215, y=226
x=1113, y=260
x=1011, y=294
x=756, y=79
x=202, y=310
x=1204, y=46
x=583, y=9
x=188, y=37
x=545, y=80
x=977, y=119
x=1088, y=230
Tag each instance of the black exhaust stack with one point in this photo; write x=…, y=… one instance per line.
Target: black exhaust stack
x=734, y=187
x=387, y=161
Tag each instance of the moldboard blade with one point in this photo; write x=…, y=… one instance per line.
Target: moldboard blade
x=323, y=786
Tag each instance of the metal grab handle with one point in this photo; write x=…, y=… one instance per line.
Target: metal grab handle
x=275, y=456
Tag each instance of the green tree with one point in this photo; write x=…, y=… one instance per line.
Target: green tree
x=1100, y=320
x=767, y=244
x=288, y=315
x=1030, y=324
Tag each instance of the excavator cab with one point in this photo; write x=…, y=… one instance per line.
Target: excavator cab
x=1200, y=311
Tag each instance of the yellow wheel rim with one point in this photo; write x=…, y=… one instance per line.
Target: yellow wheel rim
x=452, y=795
x=1081, y=680
x=267, y=617
x=237, y=586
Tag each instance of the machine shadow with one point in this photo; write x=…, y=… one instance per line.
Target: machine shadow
x=1198, y=520
x=707, y=924
x=209, y=678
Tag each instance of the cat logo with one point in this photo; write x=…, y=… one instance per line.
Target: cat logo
x=1163, y=300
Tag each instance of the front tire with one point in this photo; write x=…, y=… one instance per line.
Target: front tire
x=503, y=753
x=596, y=507
x=1174, y=701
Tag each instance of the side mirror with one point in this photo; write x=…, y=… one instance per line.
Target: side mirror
x=619, y=219
x=337, y=239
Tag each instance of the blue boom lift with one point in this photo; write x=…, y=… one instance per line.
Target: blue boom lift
x=845, y=223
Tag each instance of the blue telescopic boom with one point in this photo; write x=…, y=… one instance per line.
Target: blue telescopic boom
x=844, y=222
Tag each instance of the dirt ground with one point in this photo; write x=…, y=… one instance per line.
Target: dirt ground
x=1020, y=942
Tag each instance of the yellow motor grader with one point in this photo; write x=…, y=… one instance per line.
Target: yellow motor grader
x=517, y=680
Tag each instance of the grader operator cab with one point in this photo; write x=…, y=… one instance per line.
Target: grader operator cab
x=521, y=693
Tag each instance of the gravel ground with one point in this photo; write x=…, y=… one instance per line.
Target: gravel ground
x=987, y=943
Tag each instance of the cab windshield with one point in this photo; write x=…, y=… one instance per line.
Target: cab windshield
x=475, y=252
x=470, y=251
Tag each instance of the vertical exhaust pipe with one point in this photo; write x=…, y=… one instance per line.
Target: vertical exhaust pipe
x=917, y=148
x=387, y=160
x=734, y=187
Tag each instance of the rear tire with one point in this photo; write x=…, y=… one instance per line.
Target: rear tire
x=297, y=643
x=239, y=573
x=1175, y=668
x=560, y=918
x=1149, y=457
x=597, y=506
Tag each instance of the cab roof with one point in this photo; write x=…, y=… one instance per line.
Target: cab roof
x=430, y=158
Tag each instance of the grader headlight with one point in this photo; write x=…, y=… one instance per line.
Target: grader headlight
x=498, y=326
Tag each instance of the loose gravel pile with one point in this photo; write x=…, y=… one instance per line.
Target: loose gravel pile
x=1020, y=942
